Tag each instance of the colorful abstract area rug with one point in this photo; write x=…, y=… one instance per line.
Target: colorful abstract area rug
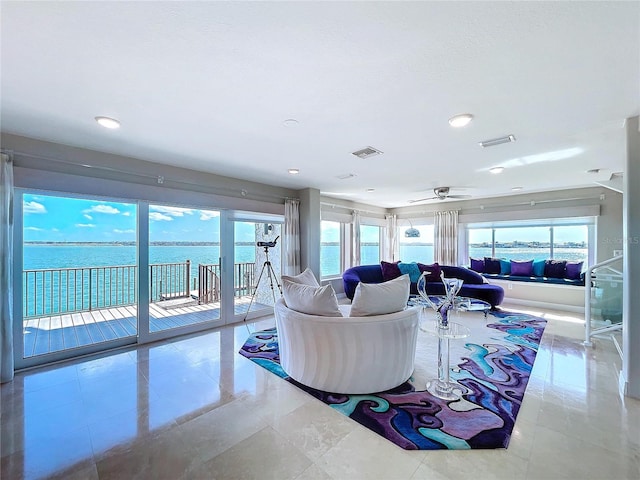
x=492, y=366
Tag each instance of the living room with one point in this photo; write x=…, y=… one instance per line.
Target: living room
x=237, y=109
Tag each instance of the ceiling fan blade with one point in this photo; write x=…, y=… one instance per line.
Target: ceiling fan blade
x=422, y=200
x=458, y=196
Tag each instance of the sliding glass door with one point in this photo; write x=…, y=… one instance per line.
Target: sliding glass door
x=98, y=273
x=184, y=268
x=257, y=267
x=78, y=276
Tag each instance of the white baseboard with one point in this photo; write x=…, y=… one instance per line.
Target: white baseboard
x=545, y=305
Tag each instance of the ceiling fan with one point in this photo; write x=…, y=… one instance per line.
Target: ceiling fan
x=441, y=193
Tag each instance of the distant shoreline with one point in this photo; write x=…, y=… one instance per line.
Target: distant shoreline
x=130, y=244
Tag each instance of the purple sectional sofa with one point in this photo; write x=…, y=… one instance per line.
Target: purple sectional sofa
x=474, y=286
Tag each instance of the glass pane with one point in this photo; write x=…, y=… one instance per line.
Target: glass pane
x=330, y=250
x=257, y=267
x=480, y=242
x=523, y=243
x=184, y=270
x=369, y=244
x=571, y=243
x=79, y=277
x=416, y=249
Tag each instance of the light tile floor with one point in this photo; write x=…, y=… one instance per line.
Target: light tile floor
x=192, y=408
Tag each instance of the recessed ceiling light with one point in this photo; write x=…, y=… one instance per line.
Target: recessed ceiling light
x=293, y=171
x=290, y=122
x=108, y=122
x=496, y=170
x=460, y=120
x=516, y=189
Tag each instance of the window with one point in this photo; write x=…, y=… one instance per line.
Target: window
x=330, y=248
x=369, y=244
x=537, y=242
x=524, y=243
x=416, y=249
x=571, y=243
x=481, y=242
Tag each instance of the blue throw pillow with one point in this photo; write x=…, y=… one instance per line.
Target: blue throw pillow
x=554, y=268
x=573, y=270
x=522, y=269
x=410, y=269
x=538, y=268
x=491, y=265
x=477, y=264
x=505, y=267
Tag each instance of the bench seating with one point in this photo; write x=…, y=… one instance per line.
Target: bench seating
x=519, y=278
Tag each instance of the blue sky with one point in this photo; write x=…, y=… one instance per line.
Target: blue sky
x=60, y=219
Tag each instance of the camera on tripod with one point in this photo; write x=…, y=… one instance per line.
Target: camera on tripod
x=269, y=244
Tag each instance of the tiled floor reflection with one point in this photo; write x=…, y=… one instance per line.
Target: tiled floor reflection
x=192, y=408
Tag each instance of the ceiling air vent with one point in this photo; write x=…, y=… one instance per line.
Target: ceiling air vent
x=367, y=152
x=497, y=141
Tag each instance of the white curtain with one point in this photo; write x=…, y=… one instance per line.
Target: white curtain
x=445, y=239
x=355, y=238
x=292, y=237
x=390, y=249
x=6, y=263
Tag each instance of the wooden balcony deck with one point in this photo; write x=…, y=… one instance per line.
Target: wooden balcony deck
x=61, y=332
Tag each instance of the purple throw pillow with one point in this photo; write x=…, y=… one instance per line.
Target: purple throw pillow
x=390, y=270
x=573, y=270
x=554, y=268
x=477, y=265
x=433, y=269
x=491, y=265
x=522, y=269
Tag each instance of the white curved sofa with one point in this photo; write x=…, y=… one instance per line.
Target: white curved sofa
x=347, y=354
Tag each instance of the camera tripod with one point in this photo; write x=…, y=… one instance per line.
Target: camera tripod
x=266, y=267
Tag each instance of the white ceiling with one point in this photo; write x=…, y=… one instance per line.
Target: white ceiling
x=207, y=86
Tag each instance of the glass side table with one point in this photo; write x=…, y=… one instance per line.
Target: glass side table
x=443, y=387
x=461, y=304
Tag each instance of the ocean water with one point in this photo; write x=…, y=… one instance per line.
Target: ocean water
x=72, y=256
x=50, y=293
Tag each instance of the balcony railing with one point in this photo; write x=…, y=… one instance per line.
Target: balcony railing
x=49, y=292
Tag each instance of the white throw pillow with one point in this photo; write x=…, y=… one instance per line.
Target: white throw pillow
x=381, y=298
x=305, y=278
x=311, y=300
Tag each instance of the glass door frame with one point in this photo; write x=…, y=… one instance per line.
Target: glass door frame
x=144, y=335
x=20, y=361
x=231, y=218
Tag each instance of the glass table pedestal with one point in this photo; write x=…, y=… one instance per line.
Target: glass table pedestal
x=442, y=387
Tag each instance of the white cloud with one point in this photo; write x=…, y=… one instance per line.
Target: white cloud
x=33, y=207
x=126, y=214
x=85, y=225
x=159, y=216
x=102, y=208
x=88, y=217
x=172, y=211
x=35, y=229
x=117, y=230
x=208, y=215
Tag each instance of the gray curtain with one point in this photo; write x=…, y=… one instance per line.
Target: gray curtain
x=445, y=239
x=355, y=238
x=390, y=241
x=6, y=264
x=292, y=237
